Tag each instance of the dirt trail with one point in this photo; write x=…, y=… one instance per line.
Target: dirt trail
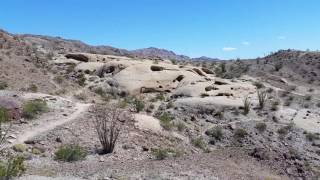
x=43, y=127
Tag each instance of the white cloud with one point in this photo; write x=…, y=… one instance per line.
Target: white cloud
x=282, y=37
x=228, y=49
x=245, y=43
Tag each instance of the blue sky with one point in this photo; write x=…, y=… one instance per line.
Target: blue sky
x=216, y=28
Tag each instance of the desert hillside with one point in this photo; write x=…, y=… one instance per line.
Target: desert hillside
x=69, y=110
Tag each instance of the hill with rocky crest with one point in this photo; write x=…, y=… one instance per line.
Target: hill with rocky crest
x=182, y=119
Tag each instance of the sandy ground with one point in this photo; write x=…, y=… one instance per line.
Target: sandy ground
x=43, y=127
x=62, y=110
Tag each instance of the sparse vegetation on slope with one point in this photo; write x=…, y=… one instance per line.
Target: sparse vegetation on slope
x=166, y=121
x=197, y=104
x=262, y=97
x=70, y=153
x=3, y=85
x=33, y=108
x=246, y=105
x=11, y=168
x=108, y=122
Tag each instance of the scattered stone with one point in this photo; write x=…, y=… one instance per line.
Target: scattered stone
x=101, y=159
x=78, y=57
x=20, y=147
x=12, y=136
x=316, y=143
x=127, y=146
x=30, y=142
x=144, y=148
x=36, y=151
x=10, y=141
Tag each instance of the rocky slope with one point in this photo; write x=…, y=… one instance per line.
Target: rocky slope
x=205, y=117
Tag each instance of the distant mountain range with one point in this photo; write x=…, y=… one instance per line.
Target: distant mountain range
x=153, y=52
x=65, y=45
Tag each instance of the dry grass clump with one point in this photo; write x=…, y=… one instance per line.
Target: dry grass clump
x=13, y=167
x=240, y=133
x=32, y=108
x=163, y=153
x=3, y=85
x=259, y=85
x=215, y=132
x=246, y=105
x=166, y=121
x=70, y=153
x=262, y=97
x=261, y=127
x=199, y=143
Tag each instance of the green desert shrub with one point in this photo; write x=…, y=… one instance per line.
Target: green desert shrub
x=278, y=66
x=3, y=85
x=240, y=133
x=290, y=98
x=269, y=90
x=36, y=151
x=33, y=88
x=151, y=106
x=261, y=127
x=246, y=105
x=70, y=153
x=163, y=153
x=70, y=68
x=308, y=98
x=199, y=143
x=81, y=79
x=20, y=147
x=33, y=108
x=13, y=167
x=284, y=94
x=160, y=154
x=275, y=106
x=174, y=62
x=4, y=115
x=221, y=69
x=215, y=132
x=259, y=85
x=312, y=136
x=160, y=97
x=61, y=91
x=100, y=91
x=287, y=102
x=103, y=94
x=285, y=130
x=262, y=97
x=169, y=105
x=165, y=121
x=180, y=126
x=81, y=96
x=123, y=104
x=219, y=114
x=58, y=79
x=138, y=105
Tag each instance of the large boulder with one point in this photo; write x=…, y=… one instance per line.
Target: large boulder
x=78, y=57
